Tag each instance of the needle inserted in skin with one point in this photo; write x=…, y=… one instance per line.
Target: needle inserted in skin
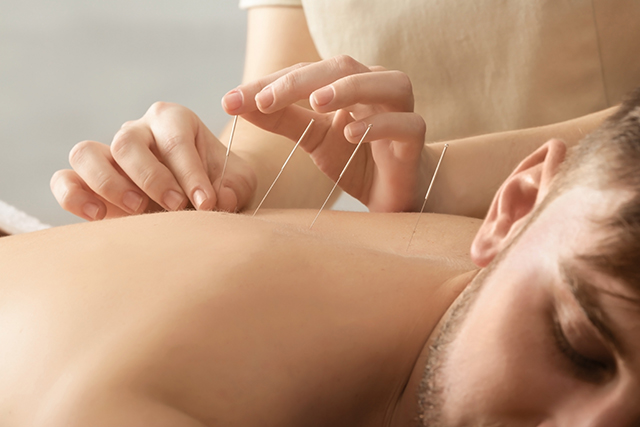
x=341, y=173
x=433, y=178
x=282, y=168
x=226, y=159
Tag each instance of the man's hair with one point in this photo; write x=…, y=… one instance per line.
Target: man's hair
x=609, y=158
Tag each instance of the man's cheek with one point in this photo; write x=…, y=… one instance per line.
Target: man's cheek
x=499, y=362
x=475, y=367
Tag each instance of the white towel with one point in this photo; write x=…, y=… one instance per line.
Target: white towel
x=14, y=221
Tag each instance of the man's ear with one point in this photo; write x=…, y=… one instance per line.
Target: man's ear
x=527, y=186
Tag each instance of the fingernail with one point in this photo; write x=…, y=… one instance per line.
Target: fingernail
x=233, y=100
x=356, y=130
x=323, y=96
x=264, y=99
x=172, y=200
x=132, y=201
x=91, y=210
x=199, y=197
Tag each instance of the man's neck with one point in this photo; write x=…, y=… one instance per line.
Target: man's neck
x=406, y=411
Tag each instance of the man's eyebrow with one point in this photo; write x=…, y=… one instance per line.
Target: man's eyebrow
x=586, y=294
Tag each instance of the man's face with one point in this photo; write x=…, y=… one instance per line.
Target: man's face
x=545, y=341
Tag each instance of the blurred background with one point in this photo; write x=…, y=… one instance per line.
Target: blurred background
x=72, y=70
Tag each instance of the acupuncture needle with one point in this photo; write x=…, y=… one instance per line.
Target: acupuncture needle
x=283, y=166
x=341, y=173
x=226, y=158
x=433, y=178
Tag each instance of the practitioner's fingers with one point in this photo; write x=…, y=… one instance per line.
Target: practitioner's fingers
x=392, y=89
x=93, y=163
x=291, y=85
x=143, y=168
x=294, y=85
x=402, y=127
x=408, y=129
x=377, y=68
x=73, y=196
x=290, y=122
x=182, y=141
x=242, y=99
x=299, y=84
x=341, y=62
x=76, y=197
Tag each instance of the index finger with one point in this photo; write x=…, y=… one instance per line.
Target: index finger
x=294, y=84
x=299, y=84
x=181, y=140
x=241, y=100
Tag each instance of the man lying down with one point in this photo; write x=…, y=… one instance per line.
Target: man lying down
x=155, y=321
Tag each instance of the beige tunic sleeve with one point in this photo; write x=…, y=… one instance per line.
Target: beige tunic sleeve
x=246, y=4
x=494, y=65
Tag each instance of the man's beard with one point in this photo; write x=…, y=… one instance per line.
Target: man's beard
x=431, y=392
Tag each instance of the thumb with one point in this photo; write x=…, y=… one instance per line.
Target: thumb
x=236, y=189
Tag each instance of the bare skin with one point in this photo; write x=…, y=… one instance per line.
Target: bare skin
x=154, y=320
x=201, y=319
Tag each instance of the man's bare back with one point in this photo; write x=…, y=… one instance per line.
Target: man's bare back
x=210, y=319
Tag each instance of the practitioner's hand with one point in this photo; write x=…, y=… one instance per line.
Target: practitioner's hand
x=389, y=173
x=166, y=160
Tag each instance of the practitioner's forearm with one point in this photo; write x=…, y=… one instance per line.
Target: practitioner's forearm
x=474, y=168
